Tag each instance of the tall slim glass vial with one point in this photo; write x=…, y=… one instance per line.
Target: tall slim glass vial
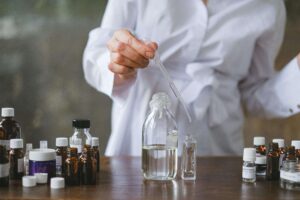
x=249, y=168
x=159, y=141
x=188, y=158
x=95, y=146
x=16, y=159
x=72, y=169
x=61, y=155
x=273, y=156
x=26, y=159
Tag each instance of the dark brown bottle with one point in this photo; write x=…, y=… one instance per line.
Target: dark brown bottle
x=61, y=155
x=8, y=126
x=95, y=145
x=72, y=170
x=273, y=156
x=290, y=154
x=16, y=159
x=4, y=167
x=88, y=168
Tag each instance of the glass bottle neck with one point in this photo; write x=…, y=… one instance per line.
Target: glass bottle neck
x=82, y=130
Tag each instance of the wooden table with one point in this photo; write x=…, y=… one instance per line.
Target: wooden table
x=121, y=178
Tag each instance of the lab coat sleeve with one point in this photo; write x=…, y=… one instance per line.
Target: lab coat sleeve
x=96, y=57
x=265, y=92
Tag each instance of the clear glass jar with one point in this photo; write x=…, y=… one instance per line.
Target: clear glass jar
x=290, y=175
x=81, y=136
x=160, y=141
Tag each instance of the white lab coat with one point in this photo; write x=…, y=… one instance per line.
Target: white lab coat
x=218, y=56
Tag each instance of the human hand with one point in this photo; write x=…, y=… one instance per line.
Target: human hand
x=127, y=53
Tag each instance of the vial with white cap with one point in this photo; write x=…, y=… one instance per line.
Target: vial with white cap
x=95, y=146
x=43, y=144
x=9, y=128
x=259, y=145
x=26, y=158
x=16, y=159
x=282, y=150
x=296, y=144
x=61, y=155
x=249, y=168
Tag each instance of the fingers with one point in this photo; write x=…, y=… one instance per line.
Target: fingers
x=124, y=54
x=120, y=69
x=126, y=37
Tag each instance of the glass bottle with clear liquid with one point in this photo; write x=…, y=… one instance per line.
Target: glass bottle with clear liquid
x=81, y=136
x=160, y=141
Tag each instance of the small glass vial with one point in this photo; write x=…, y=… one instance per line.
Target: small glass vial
x=296, y=144
x=16, y=159
x=26, y=159
x=249, y=168
x=261, y=165
x=281, y=149
x=4, y=167
x=273, y=156
x=43, y=144
x=88, y=167
x=290, y=154
x=81, y=135
x=61, y=155
x=259, y=145
x=188, y=158
x=72, y=170
x=95, y=146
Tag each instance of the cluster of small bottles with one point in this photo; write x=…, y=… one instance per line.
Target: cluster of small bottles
x=160, y=144
x=74, y=165
x=258, y=162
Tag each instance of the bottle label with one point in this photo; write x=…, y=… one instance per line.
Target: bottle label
x=249, y=172
x=4, y=170
x=58, y=161
x=5, y=143
x=20, y=165
x=290, y=176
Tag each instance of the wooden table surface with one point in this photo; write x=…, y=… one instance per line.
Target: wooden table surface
x=121, y=178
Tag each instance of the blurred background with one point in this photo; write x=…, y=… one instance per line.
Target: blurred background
x=41, y=46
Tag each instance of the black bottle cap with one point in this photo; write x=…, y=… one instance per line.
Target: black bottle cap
x=81, y=123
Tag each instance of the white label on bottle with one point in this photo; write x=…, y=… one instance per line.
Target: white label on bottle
x=58, y=161
x=4, y=170
x=291, y=176
x=249, y=172
x=20, y=165
x=5, y=143
x=78, y=147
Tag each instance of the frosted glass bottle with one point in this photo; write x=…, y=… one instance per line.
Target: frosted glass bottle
x=160, y=141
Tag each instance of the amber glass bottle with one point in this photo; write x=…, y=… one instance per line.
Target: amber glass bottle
x=72, y=171
x=61, y=155
x=16, y=159
x=95, y=145
x=273, y=156
x=88, y=168
x=259, y=145
x=4, y=167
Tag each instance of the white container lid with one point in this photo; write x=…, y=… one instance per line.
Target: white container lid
x=95, y=142
x=296, y=144
x=7, y=112
x=61, y=142
x=261, y=160
x=249, y=154
x=259, y=141
x=41, y=178
x=16, y=143
x=29, y=181
x=57, y=183
x=42, y=154
x=279, y=141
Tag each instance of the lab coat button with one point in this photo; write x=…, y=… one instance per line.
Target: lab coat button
x=291, y=110
x=298, y=106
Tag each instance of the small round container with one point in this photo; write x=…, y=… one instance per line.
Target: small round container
x=57, y=183
x=29, y=181
x=290, y=175
x=42, y=161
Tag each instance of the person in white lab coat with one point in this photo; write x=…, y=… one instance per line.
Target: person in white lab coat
x=219, y=54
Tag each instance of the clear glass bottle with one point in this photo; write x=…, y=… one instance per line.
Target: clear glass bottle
x=95, y=146
x=273, y=156
x=188, y=158
x=16, y=159
x=249, y=168
x=9, y=128
x=81, y=136
x=4, y=167
x=159, y=141
x=26, y=159
x=290, y=175
x=61, y=155
x=88, y=167
x=72, y=169
x=296, y=144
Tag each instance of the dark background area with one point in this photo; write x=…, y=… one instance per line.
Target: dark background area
x=41, y=46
